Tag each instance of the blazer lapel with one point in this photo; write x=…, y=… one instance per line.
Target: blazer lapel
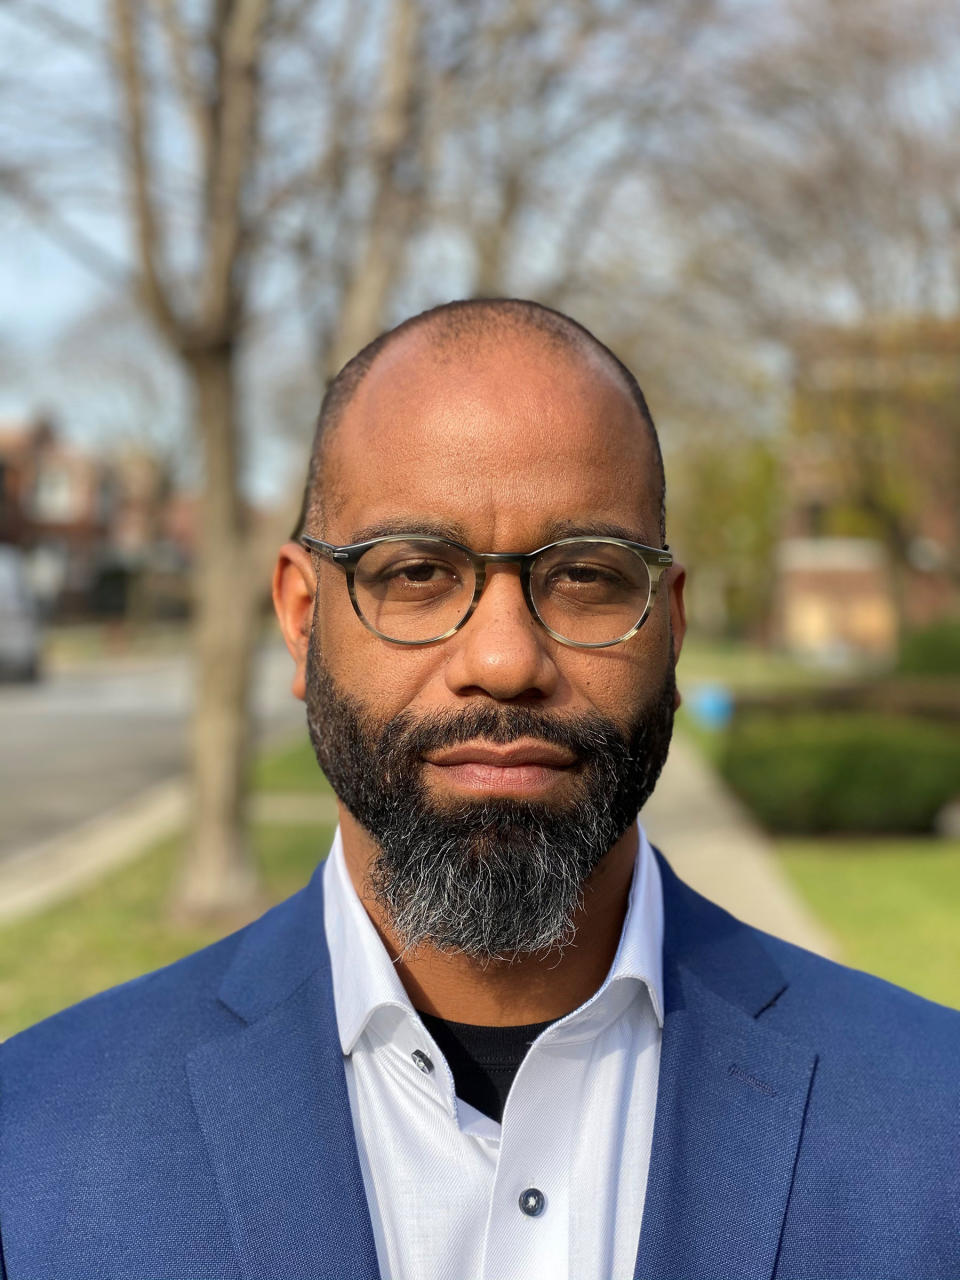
x=730, y=1104
x=275, y=1115
x=274, y=1111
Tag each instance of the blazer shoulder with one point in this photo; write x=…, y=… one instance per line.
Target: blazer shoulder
x=154, y=1020
x=168, y=1005
x=866, y=1015
x=867, y=990
x=870, y=1024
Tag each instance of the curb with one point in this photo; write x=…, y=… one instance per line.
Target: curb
x=57, y=868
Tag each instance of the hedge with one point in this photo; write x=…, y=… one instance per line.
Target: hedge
x=806, y=773
x=932, y=651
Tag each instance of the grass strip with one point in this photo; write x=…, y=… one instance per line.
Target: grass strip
x=893, y=904
x=120, y=927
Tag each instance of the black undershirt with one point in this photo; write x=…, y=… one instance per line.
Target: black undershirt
x=483, y=1060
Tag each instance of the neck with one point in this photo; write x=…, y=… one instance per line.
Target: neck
x=526, y=989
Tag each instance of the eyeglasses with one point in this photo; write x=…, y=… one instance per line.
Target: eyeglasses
x=585, y=592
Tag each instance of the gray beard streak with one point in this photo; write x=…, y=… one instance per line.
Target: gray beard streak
x=491, y=879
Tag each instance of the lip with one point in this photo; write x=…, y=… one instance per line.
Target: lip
x=510, y=756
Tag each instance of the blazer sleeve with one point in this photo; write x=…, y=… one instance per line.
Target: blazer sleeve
x=3, y=1269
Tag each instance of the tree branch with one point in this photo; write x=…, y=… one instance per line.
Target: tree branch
x=292, y=23
x=326, y=171
x=240, y=39
x=395, y=134
x=130, y=71
x=196, y=110
x=79, y=245
x=58, y=25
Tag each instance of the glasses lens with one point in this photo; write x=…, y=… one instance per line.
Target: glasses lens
x=413, y=589
x=590, y=592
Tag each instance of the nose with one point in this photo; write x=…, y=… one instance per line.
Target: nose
x=502, y=651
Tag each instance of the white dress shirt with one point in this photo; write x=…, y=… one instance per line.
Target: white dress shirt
x=443, y=1181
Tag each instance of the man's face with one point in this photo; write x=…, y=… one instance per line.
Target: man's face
x=498, y=763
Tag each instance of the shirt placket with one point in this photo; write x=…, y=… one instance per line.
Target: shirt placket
x=527, y=1226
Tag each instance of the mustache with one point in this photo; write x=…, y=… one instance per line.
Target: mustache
x=585, y=736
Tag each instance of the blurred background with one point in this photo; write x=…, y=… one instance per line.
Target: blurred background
x=206, y=206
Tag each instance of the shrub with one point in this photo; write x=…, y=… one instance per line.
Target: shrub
x=933, y=651
x=809, y=772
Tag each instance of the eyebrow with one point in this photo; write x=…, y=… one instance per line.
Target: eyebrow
x=592, y=529
x=432, y=528
x=457, y=532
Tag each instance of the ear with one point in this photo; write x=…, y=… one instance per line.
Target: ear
x=294, y=590
x=678, y=613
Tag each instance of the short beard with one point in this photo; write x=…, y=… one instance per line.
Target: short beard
x=492, y=879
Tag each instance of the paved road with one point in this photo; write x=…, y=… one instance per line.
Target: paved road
x=81, y=742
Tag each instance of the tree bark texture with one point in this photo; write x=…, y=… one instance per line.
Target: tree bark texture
x=218, y=877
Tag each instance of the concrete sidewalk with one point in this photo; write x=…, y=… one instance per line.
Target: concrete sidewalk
x=715, y=846
x=55, y=869
x=709, y=839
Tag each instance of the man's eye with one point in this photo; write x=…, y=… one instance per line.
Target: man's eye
x=584, y=574
x=585, y=586
x=421, y=571
x=587, y=573
x=414, y=580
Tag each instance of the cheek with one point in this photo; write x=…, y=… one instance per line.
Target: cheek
x=336, y=626
x=618, y=680
x=387, y=678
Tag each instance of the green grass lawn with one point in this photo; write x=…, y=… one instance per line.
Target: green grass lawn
x=290, y=768
x=90, y=643
x=747, y=667
x=893, y=905
x=119, y=927
x=85, y=643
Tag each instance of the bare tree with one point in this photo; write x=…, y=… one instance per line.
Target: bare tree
x=817, y=202
x=265, y=174
x=824, y=183
x=189, y=196
x=132, y=393
x=264, y=150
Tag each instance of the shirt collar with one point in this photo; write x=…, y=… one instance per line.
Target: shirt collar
x=365, y=980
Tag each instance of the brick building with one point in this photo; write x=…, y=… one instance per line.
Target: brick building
x=871, y=528
x=87, y=523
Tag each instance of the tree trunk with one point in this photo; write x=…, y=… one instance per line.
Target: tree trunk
x=218, y=877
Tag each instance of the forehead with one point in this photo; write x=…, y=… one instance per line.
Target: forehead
x=500, y=438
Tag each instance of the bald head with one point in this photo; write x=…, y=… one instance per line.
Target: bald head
x=454, y=332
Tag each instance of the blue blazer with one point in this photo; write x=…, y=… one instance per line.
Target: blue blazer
x=194, y=1124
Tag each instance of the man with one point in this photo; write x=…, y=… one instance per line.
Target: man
x=495, y=1036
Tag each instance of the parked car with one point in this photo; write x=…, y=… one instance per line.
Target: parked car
x=19, y=620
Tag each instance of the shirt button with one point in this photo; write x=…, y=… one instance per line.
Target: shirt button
x=532, y=1202
x=422, y=1061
